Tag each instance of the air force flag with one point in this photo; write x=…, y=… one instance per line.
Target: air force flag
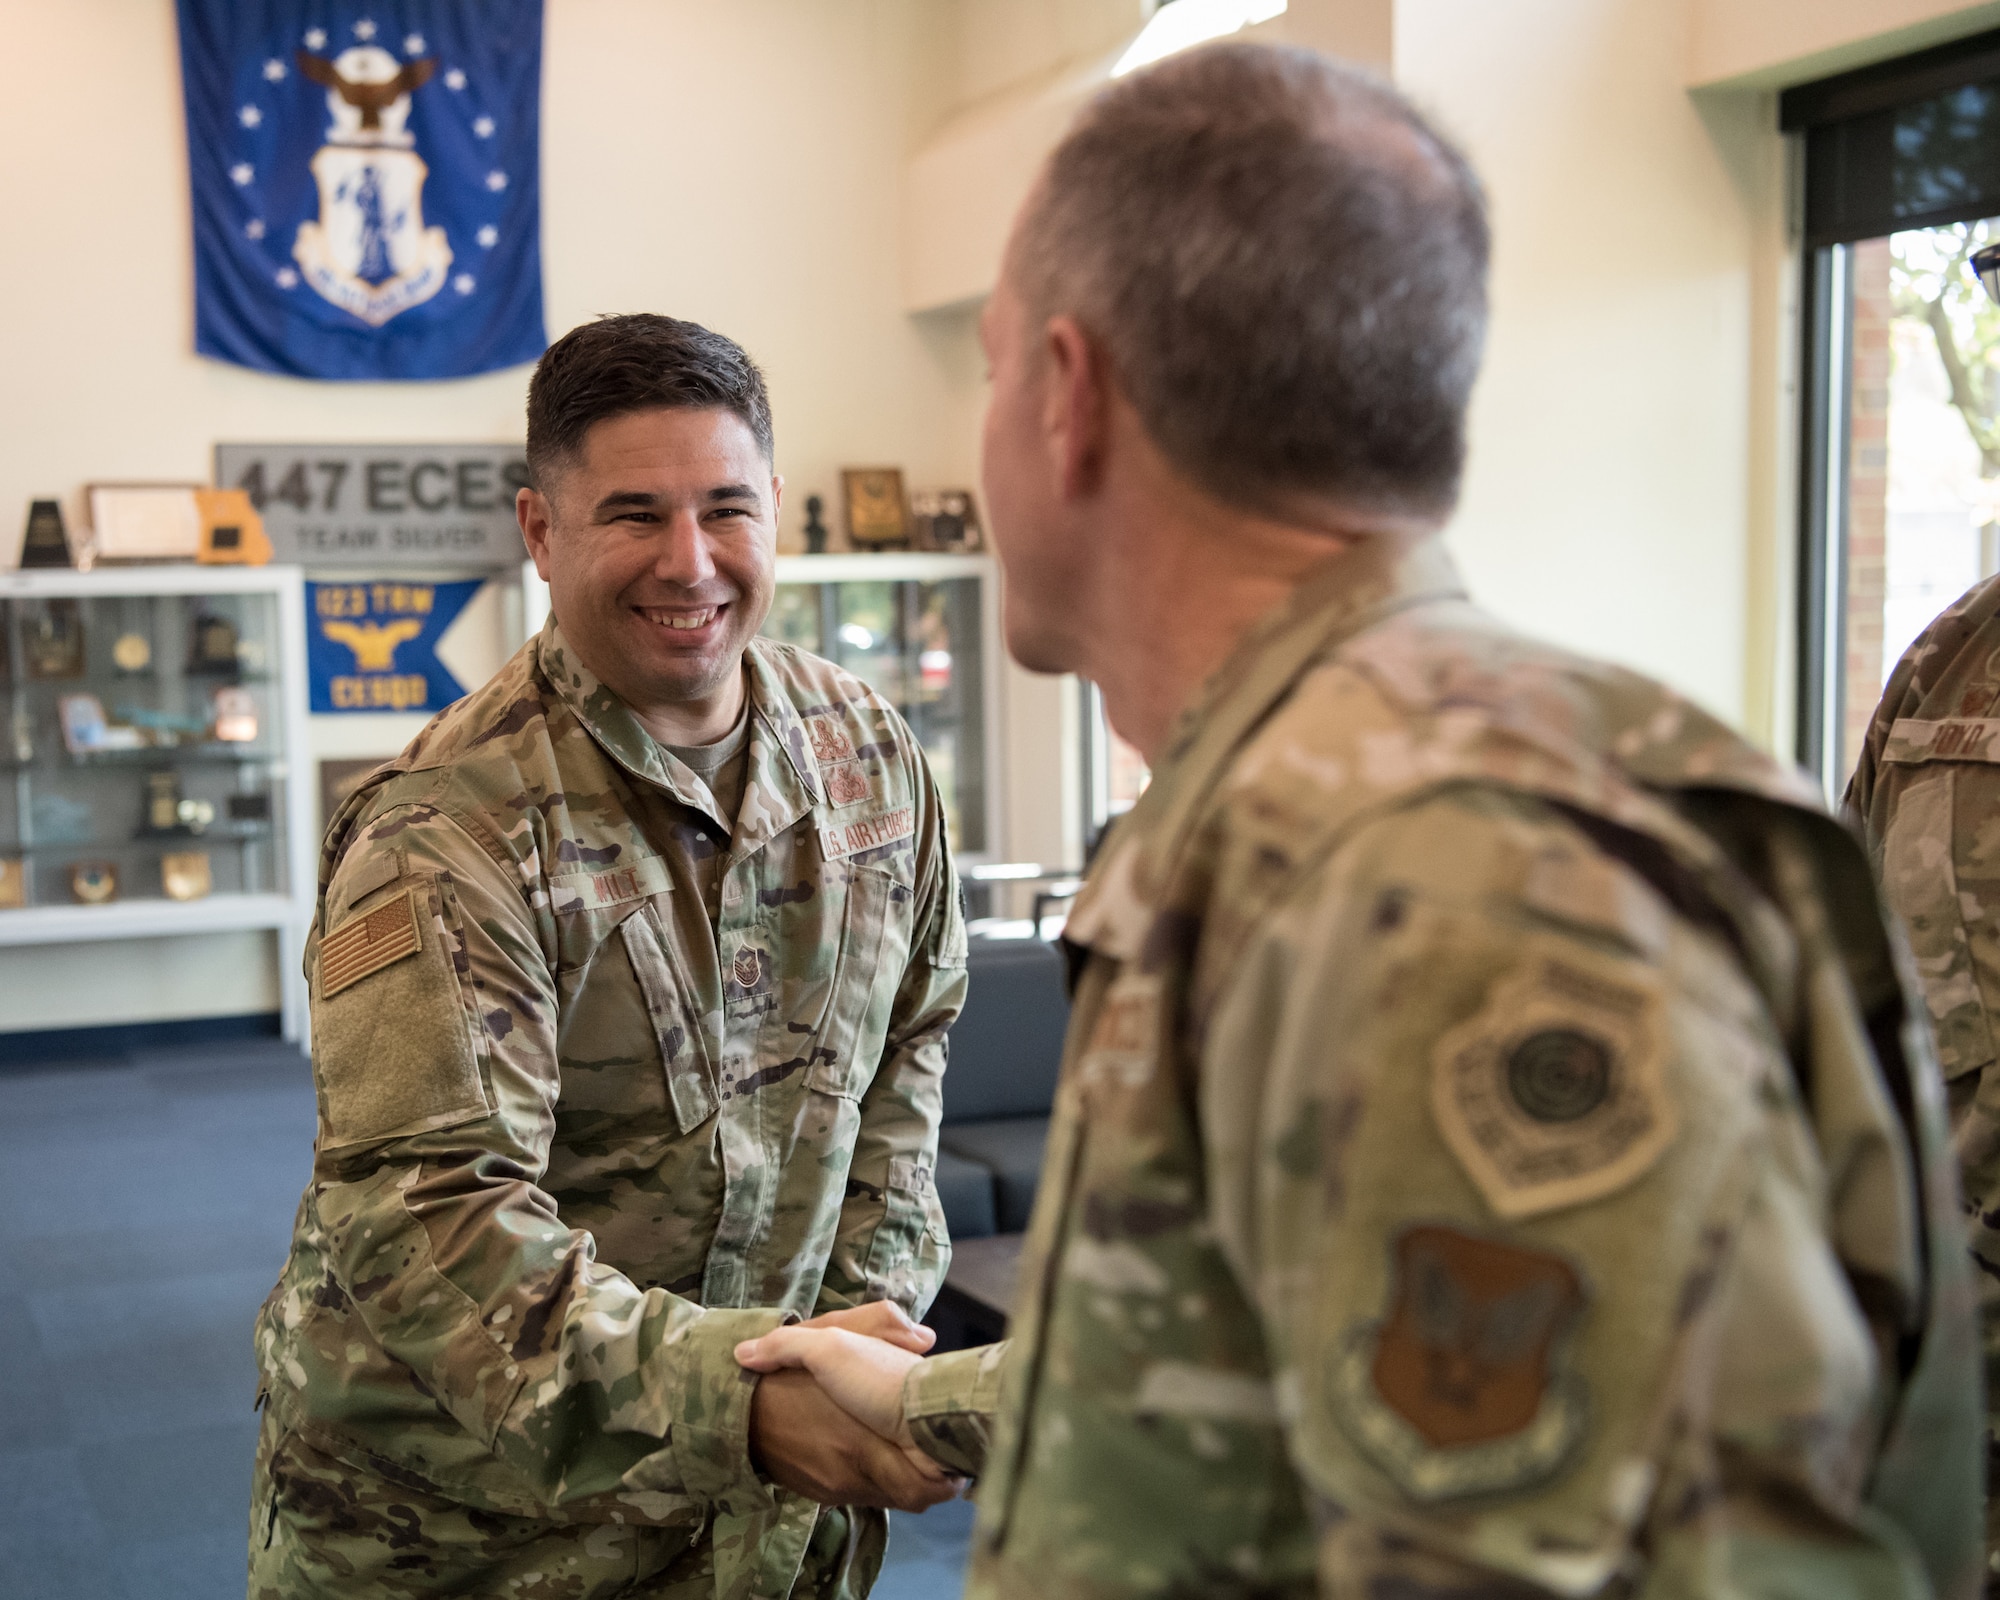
x=366, y=184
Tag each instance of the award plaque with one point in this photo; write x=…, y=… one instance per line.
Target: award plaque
x=163, y=799
x=45, y=544
x=53, y=640
x=13, y=883
x=232, y=534
x=184, y=874
x=93, y=882
x=214, y=648
x=876, y=518
x=945, y=520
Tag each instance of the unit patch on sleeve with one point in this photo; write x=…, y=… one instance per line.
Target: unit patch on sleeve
x=366, y=944
x=1460, y=1388
x=1555, y=1093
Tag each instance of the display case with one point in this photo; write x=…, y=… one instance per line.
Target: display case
x=153, y=756
x=922, y=630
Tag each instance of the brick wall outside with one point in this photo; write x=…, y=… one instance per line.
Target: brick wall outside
x=1867, y=490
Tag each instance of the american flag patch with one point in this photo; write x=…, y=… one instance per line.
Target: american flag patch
x=367, y=944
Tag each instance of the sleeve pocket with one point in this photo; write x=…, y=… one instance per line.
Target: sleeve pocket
x=395, y=1047
x=910, y=1250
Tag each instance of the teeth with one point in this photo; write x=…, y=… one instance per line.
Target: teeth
x=683, y=623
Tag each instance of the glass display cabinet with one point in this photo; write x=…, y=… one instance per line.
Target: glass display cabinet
x=920, y=629
x=153, y=755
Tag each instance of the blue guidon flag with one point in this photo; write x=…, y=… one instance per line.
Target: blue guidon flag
x=366, y=177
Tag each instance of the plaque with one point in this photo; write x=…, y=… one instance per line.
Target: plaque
x=235, y=716
x=214, y=647
x=132, y=652
x=93, y=882
x=232, y=534
x=250, y=808
x=876, y=518
x=46, y=543
x=53, y=640
x=144, y=522
x=13, y=883
x=163, y=802
x=184, y=874
x=945, y=519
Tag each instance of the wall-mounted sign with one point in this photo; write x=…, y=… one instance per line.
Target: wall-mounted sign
x=373, y=645
x=396, y=505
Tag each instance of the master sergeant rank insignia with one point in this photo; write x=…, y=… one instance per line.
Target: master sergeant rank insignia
x=1554, y=1094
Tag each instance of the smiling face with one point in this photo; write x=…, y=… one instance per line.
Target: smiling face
x=658, y=542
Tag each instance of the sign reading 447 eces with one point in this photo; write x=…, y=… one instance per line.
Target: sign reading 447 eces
x=390, y=505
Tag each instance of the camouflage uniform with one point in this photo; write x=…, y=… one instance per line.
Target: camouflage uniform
x=576, y=1140
x=1493, y=1157
x=1927, y=791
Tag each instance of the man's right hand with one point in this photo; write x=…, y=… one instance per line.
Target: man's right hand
x=802, y=1441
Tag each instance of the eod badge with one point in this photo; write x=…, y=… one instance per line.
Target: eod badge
x=374, y=646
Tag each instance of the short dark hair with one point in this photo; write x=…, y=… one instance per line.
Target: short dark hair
x=637, y=362
x=1286, y=265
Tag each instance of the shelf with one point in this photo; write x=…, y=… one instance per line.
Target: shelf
x=890, y=566
x=175, y=579
x=219, y=834
x=144, y=919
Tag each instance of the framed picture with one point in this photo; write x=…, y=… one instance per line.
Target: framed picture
x=946, y=519
x=877, y=518
x=144, y=522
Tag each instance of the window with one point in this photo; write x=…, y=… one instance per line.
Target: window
x=1114, y=774
x=1901, y=490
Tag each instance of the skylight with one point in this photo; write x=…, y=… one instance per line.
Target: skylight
x=1179, y=24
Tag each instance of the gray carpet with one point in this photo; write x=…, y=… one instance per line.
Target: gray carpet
x=145, y=1204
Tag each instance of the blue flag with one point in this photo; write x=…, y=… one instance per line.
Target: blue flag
x=372, y=645
x=367, y=189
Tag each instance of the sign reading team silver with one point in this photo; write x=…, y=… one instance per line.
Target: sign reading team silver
x=389, y=505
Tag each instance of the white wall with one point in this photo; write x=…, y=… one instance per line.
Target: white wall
x=1606, y=506
x=738, y=164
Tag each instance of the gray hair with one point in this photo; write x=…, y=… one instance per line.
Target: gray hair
x=1286, y=265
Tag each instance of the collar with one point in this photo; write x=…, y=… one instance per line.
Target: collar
x=1351, y=592
x=783, y=779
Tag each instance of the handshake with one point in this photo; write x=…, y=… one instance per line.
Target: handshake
x=826, y=1420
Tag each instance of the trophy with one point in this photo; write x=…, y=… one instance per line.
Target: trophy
x=133, y=652
x=163, y=801
x=45, y=543
x=184, y=874
x=815, y=529
x=215, y=643
x=53, y=640
x=93, y=882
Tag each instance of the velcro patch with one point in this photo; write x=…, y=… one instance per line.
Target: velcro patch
x=870, y=833
x=366, y=944
x=846, y=783
x=829, y=741
x=1555, y=1093
x=1460, y=1389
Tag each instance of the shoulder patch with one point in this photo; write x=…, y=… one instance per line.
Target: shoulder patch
x=1555, y=1093
x=1460, y=1389
x=366, y=944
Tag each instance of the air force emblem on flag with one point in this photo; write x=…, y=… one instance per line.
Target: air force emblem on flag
x=368, y=251
x=365, y=182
